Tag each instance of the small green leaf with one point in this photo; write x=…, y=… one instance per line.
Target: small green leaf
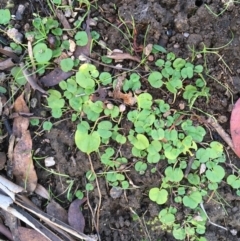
x=42, y=53
x=142, y=142
x=158, y=48
x=47, y=125
x=192, y=200
x=233, y=181
x=158, y=196
x=105, y=78
x=5, y=16
x=216, y=174
x=89, y=187
x=140, y=167
x=66, y=64
x=82, y=38
x=3, y=90
x=87, y=143
x=155, y=79
x=178, y=63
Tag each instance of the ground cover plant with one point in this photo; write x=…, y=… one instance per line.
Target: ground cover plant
x=158, y=96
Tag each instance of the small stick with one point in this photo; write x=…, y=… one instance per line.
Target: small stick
x=190, y=162
x=221, y=132
x=30, y=53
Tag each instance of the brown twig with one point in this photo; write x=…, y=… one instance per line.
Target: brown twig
x=221, y=132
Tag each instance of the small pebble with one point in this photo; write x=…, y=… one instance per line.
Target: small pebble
x=49, y=162
x=110, y=106
x=68, y=13
x=65, y=37
x=186, y=35
x=122, y=108
x=176, y=46
x=15, y=35
x=33, y=102
x=72, y=45
x=222, y=119
x=2, y=76
x=102, y=44
x=116, y=192
x=20, y=11
x=150, y=58
x=92, y=22
x=182, y=106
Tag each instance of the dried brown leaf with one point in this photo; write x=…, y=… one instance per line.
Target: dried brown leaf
x=55, y=76
x=27, y=234
x=57, y=211
x=23, y=168
x=127, y=98
x=75, y=216
x=20, y=124
x=122, y=56
x=5, y=64
x=64, y=22
x=41, y=191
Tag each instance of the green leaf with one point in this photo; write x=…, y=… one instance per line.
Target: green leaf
x=3, y=90
x=144, y=101
x=158, y=196
x=42, y=53
x=57, y=31
x=192, y=200
x=160, y=62
x=178, y=63
x=157, y=134
x=198, y=69
x=66, y=64
x=18, y=75
x=89, y=187
x=166, y=218
x=216, y=174
x=125, y=185
x=87, y=143
x=82, y=38
x=5, y=16
x=233, y=181
x=142, y=142
x=174, y=175
x=179, y=233
x=105, y=78
x=158, y=48
x=56, y=112
x=193, y=179
x=84, y=81
x=155, y=79
x=47, y=125
x=140, y=167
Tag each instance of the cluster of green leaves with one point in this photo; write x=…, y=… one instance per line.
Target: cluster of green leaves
x=112, y=163
x=172, y=73
x=156, y=137
x=192, y=226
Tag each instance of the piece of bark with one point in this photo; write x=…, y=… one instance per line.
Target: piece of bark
x=55, y=77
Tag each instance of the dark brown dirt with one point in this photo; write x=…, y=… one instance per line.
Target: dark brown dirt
x=176, y=25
